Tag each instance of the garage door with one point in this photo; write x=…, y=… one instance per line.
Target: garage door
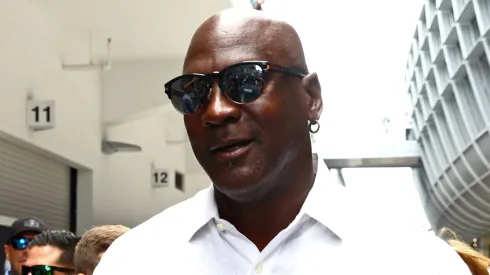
x=33, y=185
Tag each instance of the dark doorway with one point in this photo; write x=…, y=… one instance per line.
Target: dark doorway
x=4, y=235
x=179, y=181
x=73, y=199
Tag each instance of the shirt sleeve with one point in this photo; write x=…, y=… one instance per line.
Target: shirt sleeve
x=449, y=262
x=115, y=261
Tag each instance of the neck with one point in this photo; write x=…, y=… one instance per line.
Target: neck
x=260, y=221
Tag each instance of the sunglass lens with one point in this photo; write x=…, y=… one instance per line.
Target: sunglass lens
x=37, y=270
x=20, y=243
x=243, y=83
x=189, y=93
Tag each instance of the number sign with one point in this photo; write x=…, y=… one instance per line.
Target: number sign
x=160, y=177
x=40, y=114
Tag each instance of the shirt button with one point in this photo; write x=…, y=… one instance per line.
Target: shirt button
x=258, y=269
x=220, y=227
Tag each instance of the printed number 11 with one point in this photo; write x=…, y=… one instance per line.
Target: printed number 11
x=47, y=110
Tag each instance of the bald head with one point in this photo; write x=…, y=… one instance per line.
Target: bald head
x=238, y=35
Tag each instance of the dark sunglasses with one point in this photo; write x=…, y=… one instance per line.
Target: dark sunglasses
x=43, y=270
x=241, y=83
x=19, y=242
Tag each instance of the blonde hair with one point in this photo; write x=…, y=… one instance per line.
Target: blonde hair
x=476, y=262
x=94, y=242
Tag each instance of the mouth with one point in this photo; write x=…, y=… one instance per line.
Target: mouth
x=231, y=149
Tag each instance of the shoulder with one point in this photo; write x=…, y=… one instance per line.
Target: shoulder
x=416, y=251
x=166, y=223
x=408, y=252
x=164, y=232
x=447, y=258
x=398, y=245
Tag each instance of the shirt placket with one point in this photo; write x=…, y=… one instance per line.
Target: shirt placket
x=271, y=255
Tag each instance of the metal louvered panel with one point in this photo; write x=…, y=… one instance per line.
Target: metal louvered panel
x=33, y=186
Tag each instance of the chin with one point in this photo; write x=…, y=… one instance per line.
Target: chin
x=241, y=184
x=240, y=194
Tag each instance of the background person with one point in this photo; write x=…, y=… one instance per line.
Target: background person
x=51, y=253
x=93, y=245
x=22, y=232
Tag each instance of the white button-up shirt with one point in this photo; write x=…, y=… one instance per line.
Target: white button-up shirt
x=332, y=235
x=6, y=267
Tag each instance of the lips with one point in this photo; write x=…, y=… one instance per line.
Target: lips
x=230, y=145
x=231, y=149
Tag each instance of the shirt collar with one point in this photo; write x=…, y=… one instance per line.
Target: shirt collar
x=326, y=203
x=203, y=210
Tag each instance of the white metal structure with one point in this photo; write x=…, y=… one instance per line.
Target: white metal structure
x=395, y=154
x=33, y=186
x=448, y=81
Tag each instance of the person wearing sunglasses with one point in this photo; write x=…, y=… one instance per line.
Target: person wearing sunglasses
x=51, y=253
x=272, y=207
x=22, y=232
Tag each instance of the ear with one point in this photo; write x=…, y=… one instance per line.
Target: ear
x=6, y=251
x=311, y=85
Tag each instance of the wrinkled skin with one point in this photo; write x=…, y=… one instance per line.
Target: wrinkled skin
x=274, y=176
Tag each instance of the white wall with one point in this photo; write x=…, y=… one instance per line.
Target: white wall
x=126, y=195
x=31, y=48
x=6, y=220
x=137, y=85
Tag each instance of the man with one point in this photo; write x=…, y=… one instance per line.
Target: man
x=93, y=245
x=51, y=253
x=272, y=208
x=22, y=232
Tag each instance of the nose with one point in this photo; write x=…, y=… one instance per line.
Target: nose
x=220, y=109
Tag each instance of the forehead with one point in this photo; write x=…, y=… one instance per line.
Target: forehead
x=227, y=42
x=29, y=235
x=213, y=62
x=43, y=255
